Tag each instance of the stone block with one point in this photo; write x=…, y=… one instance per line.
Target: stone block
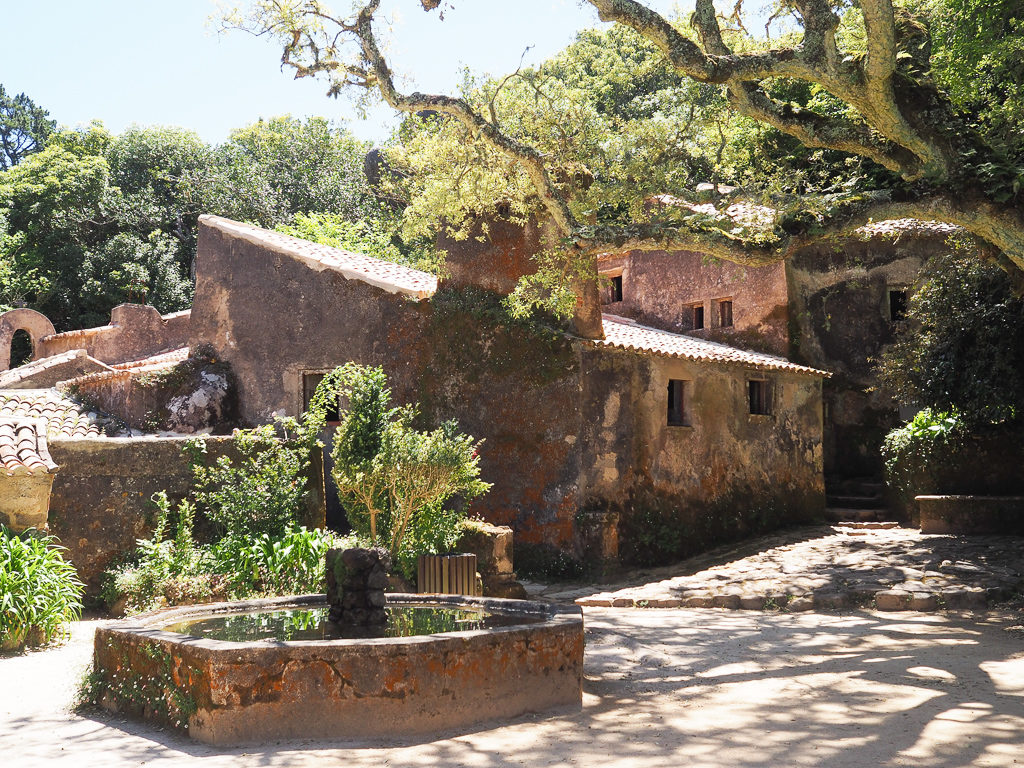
x=892, y=600
x=923, y=601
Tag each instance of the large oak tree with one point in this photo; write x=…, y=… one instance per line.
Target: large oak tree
x=882, y=104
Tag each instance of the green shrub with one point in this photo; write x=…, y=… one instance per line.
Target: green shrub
x=39, y=591
x=402, y=488
x=264, y=490
x=292, y=563
x=178, y=571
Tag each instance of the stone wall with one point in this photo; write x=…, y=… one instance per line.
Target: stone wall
x=101, y=498
x=840, y=310
x=136, y=331
x=661, y=289
x=567, y=427
x=727, y=473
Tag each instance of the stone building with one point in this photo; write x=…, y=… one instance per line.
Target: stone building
x=644, y=422
x=671, y=442
x=828, y=306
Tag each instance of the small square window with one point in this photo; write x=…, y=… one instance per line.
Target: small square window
x=611, y=291
x=725, y=313
x=698, y=316
x=898, y=300
x=759, y=395
x=677, y=416
x=310, y=381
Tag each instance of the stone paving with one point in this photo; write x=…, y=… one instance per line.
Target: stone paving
x=824, y=568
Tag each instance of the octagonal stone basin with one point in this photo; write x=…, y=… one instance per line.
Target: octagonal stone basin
x=224, y=692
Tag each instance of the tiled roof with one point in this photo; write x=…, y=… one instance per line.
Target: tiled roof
x=63, y=416
x=626, y=334
x=156, y=362
x=386, y=275
x=34, y=368
x=23, y=447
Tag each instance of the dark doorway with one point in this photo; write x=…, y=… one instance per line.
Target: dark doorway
x=21, y=348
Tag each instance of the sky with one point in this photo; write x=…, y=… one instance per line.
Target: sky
x=160, y=62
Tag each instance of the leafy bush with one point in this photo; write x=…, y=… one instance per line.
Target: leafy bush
x=39, y=590
x=264, y=490
x=402, y=488
x=929, y=440
x=255, y=502
x=292, y=563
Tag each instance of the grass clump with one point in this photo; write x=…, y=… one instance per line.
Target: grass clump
x=40, y=592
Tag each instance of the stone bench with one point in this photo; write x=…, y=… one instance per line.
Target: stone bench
x=971, y=514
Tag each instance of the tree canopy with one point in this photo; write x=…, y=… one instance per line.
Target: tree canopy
x=876, y=103
x=94, y=219
x=24, y=128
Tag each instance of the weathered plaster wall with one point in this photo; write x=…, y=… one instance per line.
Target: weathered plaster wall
x=840, y=321
x=273, y=317
x=660, y=288
x=495, y=257
x=136, y=331
x=726, y=474
x=100, y=502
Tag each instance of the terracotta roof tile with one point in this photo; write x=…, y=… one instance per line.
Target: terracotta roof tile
x=23, y=447
x=386, y=275
x=163, y=360
x=64, y=418
x=626, y=334
x=14, y=376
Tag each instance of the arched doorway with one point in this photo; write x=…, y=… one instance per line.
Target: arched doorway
x=21, y=348
x=21, y=323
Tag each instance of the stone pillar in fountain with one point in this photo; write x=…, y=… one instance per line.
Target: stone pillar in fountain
x=356, y=579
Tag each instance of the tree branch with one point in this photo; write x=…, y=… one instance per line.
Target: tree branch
x=528, y=158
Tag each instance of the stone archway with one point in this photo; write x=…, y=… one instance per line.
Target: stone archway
x=35, y=324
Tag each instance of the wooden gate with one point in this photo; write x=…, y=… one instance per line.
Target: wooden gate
x=447, y=575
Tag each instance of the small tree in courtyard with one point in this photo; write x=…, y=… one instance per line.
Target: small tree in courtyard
x=403, y=489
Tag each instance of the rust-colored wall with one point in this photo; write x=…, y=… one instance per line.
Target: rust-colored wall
x=660, y=287
x=136, y=331
x=726, y=474
x=493, y=257
x=272, y=317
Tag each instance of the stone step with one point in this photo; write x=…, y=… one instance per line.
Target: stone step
x=872, y=525
x=855, y=502
x=860, y=515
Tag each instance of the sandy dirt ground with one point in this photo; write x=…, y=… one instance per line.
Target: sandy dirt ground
x=695, y=688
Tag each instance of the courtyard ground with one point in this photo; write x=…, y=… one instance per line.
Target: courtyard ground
x=664, y=687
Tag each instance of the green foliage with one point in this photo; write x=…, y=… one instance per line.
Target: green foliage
x=291, y=563
x=39, y=591
x=959, y=348
x=272, y=169
x=24, y=128
x=261, y=492
x=922, y=447
x=255, y=502
x=402, y=488
x=376, y=237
